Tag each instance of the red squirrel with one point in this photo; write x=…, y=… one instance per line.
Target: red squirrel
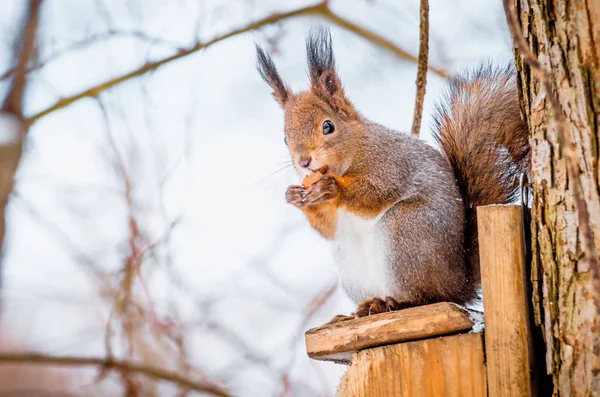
x=399, y=213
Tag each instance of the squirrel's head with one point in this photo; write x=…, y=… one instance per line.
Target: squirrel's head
x=320, y=122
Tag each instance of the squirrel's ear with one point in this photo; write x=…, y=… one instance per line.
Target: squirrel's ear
x=323, y=77
x=268, y=72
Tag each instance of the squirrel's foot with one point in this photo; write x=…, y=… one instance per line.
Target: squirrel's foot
x=371, y=306
x=377, y=305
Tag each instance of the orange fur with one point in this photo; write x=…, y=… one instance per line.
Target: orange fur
x=323, y=218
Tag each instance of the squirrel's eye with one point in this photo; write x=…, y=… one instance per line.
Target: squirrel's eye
x=328, y=127
x=285, y=141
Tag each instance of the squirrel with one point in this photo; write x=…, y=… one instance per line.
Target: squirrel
x=401, y=215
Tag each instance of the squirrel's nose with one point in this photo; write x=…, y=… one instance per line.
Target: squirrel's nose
x=305, y=161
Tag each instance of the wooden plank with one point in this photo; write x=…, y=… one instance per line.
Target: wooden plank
x=450, y=366
x=508, y=341
x=336, y=342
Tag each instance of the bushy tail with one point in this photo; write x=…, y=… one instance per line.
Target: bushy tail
x=479, y=127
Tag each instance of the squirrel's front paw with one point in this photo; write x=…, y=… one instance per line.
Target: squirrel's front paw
x=320, y=191
x=296, y=195
x=324, y=189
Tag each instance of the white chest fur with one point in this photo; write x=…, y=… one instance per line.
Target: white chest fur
x=361, y=254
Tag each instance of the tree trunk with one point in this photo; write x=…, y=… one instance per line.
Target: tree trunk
x=10, y=153
x=564, y=35
x=12, y=122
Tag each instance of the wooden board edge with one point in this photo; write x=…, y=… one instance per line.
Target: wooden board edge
x=458, y=321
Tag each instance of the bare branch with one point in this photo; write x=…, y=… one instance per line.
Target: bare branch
x=12, y=103
x=88, y=41
x=108, y=364
x=321, y=9
x=565, y=142
x=422, y=66
x=377, y=39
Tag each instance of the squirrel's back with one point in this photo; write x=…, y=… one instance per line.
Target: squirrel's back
x=479, y=127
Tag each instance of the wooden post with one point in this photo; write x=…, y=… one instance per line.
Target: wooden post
x=508, y=342
x=420, y=351
x=422, y=365
x=446, y=366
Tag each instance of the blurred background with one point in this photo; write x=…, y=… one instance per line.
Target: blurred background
x=147, y=221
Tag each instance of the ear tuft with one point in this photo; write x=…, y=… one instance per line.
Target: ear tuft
x=268, y=71
x=319, y=51
x=323, y=77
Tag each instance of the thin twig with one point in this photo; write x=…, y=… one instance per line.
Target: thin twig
x=320, y=9
x=376, y=39
x=124, y=366
x=422, y=66
x=88, y=41
x=566, y=145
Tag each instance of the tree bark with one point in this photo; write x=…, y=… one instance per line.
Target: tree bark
x=564, y=35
